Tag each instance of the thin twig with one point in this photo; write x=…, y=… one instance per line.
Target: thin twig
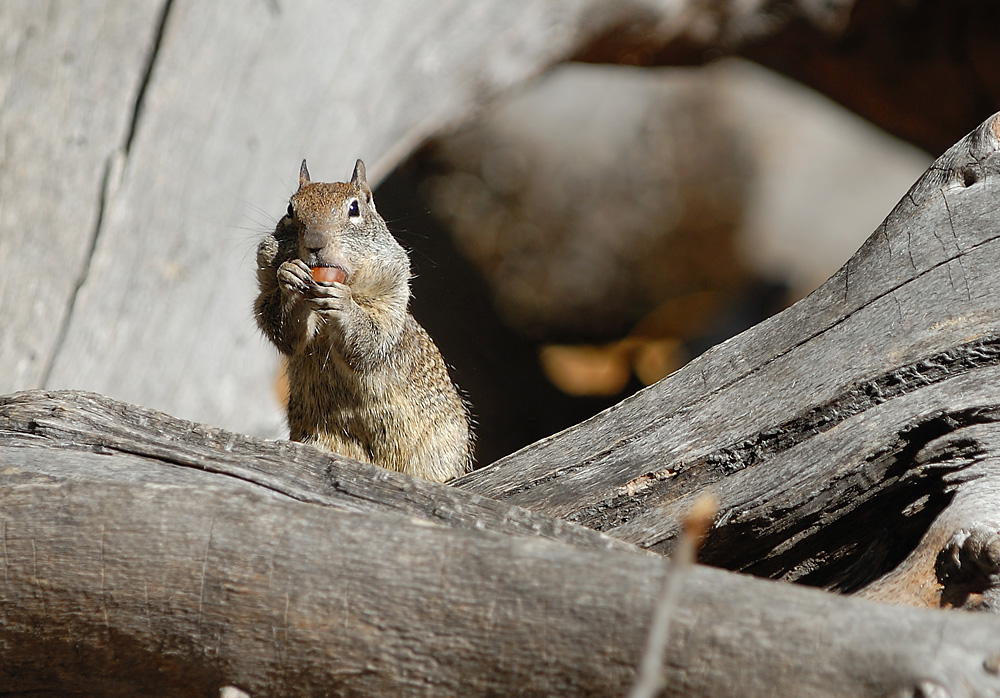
x=650, y=679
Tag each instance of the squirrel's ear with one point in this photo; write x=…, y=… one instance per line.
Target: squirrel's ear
x=359, y=180
x=303, y=174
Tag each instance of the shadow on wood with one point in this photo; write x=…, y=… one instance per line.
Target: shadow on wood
x=808, y=427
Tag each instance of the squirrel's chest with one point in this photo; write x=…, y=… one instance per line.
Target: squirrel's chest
x=357, y=416
x=324, y=390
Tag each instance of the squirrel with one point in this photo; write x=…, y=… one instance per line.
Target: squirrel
x=365, y=379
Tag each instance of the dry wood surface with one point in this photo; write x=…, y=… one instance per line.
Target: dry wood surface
x=851, y=441
x=810, y=422
x=145, y=146
x=858, y=460
x=147, y=555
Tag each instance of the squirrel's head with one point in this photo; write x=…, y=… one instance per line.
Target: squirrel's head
x=336, y=225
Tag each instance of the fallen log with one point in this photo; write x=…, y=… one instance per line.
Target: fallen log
x=807, y=426
x=129, y=571
x=64, y=422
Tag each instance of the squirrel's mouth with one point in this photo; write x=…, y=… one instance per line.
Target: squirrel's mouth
x=329, y=273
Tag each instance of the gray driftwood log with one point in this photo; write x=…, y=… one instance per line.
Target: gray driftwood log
x=830, y=432
x=147, y=556
x=851, y=441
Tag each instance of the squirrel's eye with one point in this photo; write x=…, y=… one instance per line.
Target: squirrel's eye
x=353, y=210
x=290, y=213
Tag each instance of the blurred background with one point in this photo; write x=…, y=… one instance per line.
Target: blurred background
x=592, y=192
x=593, y=231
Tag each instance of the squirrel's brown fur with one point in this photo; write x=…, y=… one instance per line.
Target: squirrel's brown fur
x=365, y=379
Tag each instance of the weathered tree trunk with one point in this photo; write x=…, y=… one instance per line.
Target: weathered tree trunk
x=145, y=145
x=69, y=420
x=164, y=558
x=851, y=442
x=814, y=428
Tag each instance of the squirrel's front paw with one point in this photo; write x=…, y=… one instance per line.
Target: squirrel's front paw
x=295, y=277
x=327, y=298
x=267, y=250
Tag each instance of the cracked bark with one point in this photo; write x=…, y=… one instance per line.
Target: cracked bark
x=806, y=427
x=112, y=170
x=147, y=73
x=851, y=441
x=66, y=86
x=113, y=167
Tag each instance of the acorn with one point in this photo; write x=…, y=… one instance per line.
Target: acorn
x=330, y=275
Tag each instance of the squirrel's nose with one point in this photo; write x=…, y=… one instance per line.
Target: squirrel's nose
x=314, y=240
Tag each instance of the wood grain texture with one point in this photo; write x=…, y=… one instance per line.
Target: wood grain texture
x=957, y=561
x=199, y=455
x=129, y=572
x=129, y=207
x=69, y=76
x=907, y=332
x=132, y=198
x=238, y=95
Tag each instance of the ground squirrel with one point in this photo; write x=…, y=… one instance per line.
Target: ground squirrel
x=365, y=379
